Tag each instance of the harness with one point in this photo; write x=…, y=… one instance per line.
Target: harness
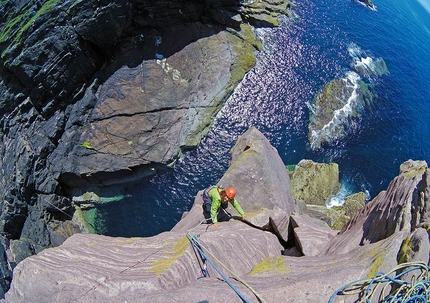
x=207, y=202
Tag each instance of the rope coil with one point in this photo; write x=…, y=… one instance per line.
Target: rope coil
x=399, y=291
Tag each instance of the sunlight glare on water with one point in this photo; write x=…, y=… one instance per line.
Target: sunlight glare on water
x=301, y=56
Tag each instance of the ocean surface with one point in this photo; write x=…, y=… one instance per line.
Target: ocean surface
x=322, y=41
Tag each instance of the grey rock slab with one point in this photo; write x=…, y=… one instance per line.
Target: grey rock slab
x=94, y=268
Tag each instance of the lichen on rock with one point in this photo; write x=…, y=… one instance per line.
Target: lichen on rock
x=315, y=183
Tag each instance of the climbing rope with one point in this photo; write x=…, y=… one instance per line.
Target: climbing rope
x=399, y=291
x=198, y=245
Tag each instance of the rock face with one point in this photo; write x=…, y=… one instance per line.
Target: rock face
x=262, y=183
x=315, y=183
x=167, y=267
x=93, y=92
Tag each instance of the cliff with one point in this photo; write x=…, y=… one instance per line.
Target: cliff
x=308, y=263
x=94, y=92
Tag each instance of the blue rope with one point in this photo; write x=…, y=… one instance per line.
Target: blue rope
x=416, y=291
x=195, y=242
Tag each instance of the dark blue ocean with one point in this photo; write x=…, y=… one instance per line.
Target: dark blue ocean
x=321, y=42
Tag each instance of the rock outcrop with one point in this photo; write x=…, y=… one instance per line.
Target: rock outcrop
x=391, y=228
x=367, y=3
x=315, y=183
x=335, y=106
x=93, y=92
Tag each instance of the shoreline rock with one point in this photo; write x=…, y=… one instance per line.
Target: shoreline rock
x=95, y=92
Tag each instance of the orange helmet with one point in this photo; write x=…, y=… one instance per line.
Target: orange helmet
x=230, y=192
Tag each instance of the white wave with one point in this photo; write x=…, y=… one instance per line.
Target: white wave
x=336, y=126
x=339, y=198
x=345, y=190
x=425, y=4
x=354, y=51
x=365, y=64
x=373, y=7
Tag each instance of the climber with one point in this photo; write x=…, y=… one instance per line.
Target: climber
x=215, y=198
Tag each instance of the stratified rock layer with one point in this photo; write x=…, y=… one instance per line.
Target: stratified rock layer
x=168, y=268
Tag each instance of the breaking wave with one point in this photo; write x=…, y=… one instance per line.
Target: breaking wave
x=364, y=64
x=338, y=125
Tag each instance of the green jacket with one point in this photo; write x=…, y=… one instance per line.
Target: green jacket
x=216, y=204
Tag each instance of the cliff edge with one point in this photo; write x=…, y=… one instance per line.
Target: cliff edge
x=251, y=256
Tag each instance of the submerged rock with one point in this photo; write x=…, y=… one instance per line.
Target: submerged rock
x=336, y=108
x=369, y=66
x=367, y=3
x=365, y=64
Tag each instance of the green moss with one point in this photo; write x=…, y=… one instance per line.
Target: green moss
x=85, y=219
x=49, y=5
x=273, y=264
x=374, y=268
x=426, y=226
x=405, y=252
x=9, y=25
x=73, y=5
x=169, y=258
x=19, y=22
x=86, y=145
x=245, y=45
x=291, y=168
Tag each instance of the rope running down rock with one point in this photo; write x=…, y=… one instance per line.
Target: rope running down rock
x=198, y=245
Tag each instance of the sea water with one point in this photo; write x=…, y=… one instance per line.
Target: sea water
x=322, y=41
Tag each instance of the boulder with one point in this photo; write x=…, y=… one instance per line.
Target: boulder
x=353, y=203
x=311, y=236
x=334, y=217
x=315, y=183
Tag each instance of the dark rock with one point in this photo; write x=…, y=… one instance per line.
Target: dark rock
x=5, y=271
x=20, y=249
x=59, y=231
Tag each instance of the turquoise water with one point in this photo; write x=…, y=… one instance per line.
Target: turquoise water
x=320, y=43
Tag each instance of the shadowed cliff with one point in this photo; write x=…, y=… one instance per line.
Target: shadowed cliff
x=97, y=92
